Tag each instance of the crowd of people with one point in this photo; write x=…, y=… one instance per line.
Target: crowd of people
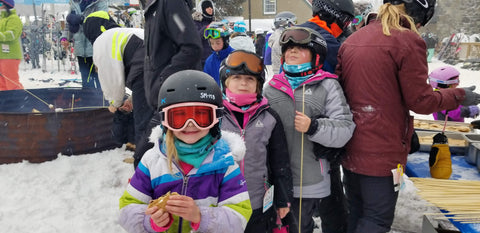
x=246, y=154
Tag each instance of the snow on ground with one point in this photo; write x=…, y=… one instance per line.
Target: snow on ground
x=80, y=193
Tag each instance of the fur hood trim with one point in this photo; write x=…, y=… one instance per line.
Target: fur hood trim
x=197, y=16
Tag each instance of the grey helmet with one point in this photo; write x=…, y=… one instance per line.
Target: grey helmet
x=285, y=19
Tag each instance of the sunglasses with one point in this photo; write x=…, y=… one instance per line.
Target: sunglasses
x=251, y=61
x=204, y=116
x=295, y=35
x=212, y=33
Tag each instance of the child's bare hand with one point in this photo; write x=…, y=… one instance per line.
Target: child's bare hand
x=159, y=217
x=112, y=109
x=127, y=106
x=302, y=122
x=185, y=207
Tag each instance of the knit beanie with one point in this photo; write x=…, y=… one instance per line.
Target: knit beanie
x=96, y=23
x=9, y=3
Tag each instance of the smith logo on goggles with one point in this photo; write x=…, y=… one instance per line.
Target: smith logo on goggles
x=251, y=61
x=212, y=33
x=204, y=116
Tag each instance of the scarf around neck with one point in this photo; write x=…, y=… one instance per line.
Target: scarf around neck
x=296, y=81
x=240, y=99
x=193, y=154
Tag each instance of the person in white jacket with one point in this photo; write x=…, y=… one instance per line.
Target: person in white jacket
x=118, y=54
x=282, y=20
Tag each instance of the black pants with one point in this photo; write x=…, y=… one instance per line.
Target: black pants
x=309, y=206
x=88, y=73
x=123, y=128
x=143, y=143
x=371, y=201
x=333, y=209
x=261, y=222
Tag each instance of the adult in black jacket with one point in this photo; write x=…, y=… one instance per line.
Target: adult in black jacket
x=171, y=44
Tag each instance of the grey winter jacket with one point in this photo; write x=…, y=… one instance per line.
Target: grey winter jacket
x=266, y=158
x=82, y=46
x=323, y=101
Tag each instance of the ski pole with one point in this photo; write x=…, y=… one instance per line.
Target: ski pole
x=301, y=167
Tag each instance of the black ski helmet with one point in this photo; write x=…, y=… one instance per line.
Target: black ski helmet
x=420, y=10
x=226, y=71
x=191, y=86
x=284, y=19
x=341, y=11
x=316, y=44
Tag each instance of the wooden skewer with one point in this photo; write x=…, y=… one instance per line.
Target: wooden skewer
x=458, y=197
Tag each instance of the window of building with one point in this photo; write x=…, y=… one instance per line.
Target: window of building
x=269, y=7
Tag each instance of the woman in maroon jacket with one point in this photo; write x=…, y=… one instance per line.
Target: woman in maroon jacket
x=383, y=70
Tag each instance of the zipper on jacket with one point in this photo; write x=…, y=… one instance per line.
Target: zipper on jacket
x=183, y=192
x=185, y=184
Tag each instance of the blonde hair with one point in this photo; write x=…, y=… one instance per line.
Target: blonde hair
x=391, y=17
x=171, y=149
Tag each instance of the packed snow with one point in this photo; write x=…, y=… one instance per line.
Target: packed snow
x=81, y=193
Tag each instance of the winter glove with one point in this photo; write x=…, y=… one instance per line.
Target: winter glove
x=332, y=155
x=473, y=111
x=471, y=98
x=74, y=21
x=440, y=161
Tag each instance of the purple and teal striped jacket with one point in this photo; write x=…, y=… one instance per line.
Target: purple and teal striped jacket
x=217, y=186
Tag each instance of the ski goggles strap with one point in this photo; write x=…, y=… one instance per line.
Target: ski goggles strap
x=251, y=61
x=212, y=33
x=204, y=116
x=296, y=35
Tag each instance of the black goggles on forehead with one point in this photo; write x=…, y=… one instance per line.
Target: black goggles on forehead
x=251, y=61
x=295, y=35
